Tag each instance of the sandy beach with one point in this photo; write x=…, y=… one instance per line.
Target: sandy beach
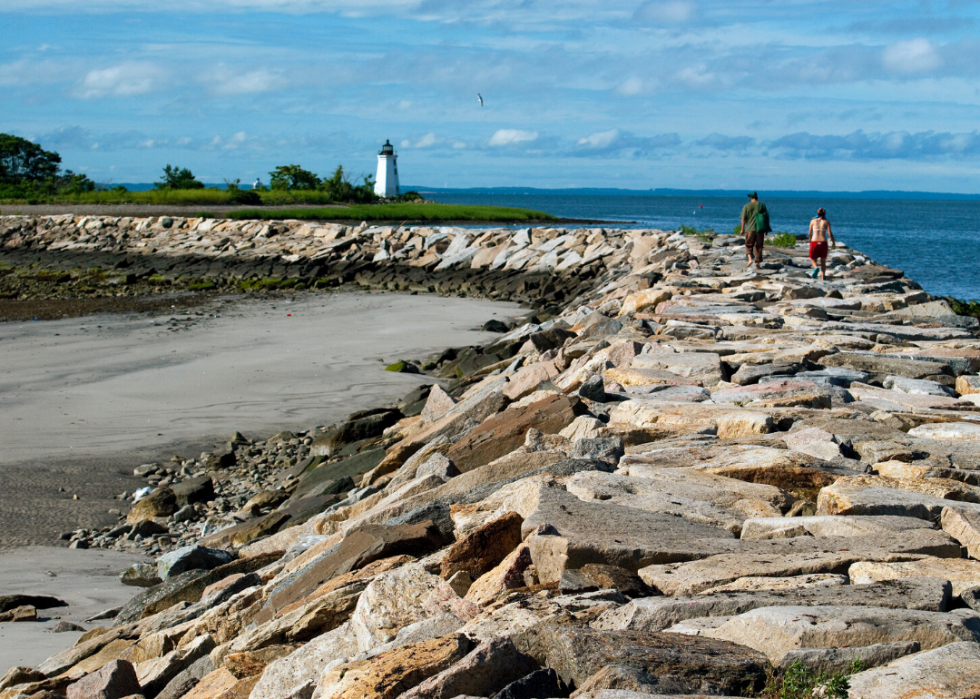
x=87, y=399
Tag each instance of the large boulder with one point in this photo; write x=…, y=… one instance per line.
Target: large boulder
x=949, y=672
x=503, y=433
x=401, y=597
x=486, y=547
x=188, y=558
x=359, y=548
x=777, y=630
x=114, y=680
x=664, y=663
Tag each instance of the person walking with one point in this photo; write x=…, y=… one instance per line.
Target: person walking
x=755, y=225
x=819, y=230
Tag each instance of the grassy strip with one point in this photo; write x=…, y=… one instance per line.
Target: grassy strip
x=400, y=212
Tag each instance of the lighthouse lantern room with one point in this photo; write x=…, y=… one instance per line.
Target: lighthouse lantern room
x=386, y=183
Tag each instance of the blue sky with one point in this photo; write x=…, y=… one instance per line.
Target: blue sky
x=788, y=94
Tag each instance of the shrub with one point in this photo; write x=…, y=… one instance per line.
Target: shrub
x=177, y=178
x=782, y=239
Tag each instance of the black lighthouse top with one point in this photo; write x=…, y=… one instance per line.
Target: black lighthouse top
x=387, y=149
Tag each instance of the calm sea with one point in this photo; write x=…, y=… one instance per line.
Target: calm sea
x=936, y=243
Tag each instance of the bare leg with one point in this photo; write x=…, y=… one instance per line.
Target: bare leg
x=823, y=269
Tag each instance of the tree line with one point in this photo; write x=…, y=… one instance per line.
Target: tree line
x=27, y=171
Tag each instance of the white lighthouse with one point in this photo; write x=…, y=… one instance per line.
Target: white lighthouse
x=386, y=183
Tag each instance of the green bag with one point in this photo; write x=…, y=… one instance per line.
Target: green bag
x=762, y=220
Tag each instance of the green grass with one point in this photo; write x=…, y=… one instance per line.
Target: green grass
x=799, y=682
x=782, y=239
x=400, y=212
x=705, y=235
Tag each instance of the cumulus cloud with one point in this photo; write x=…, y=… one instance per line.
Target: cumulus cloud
x=225, y=81
x=510, y=137
x=665, y=12
x=124, y=80
x=430, y=139
x=925, y=145
x=911, y=57
x=619, y=143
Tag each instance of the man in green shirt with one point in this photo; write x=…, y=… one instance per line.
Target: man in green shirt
x=753, y=238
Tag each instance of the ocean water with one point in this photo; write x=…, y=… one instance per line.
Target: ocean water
x=936, y=243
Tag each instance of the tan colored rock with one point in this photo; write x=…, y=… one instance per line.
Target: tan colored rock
x=401, y=597
x=949, y=672
x=393, y=672
x=729, y=423
x=437, y=404
x=213, y=685
x=114, y=680
x=520, y=496
x=642, y=300
x=485, y=548
x=948, y=431
x=825, y=526
x=798, y=582
x=793, y=557
x=111, y=652
x=509, y=574
x=285, y=678
x=964, y=526
x=487, y=669
x=583, y=427
x=813, y=441
x=962, y=573
x=526, y=380
x=160, y=503
x=503, y=433
x=687, y=493
x=776, y=630
x=966, y=385
x=876, y=495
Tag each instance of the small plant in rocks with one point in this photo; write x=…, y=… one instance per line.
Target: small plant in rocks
x=783, y=239
x=800, y=682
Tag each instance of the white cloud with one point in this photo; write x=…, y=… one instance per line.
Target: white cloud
x=630, y=87
x=910, y=57
x=226, y=82
x=124, y=80
x=602, y=139
x=509, y=137
x=665, y=11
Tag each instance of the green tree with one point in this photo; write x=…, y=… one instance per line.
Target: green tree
x=340, y=187
x=178, y=178
x=23, y=162
x=70, y=183
x=293, y=177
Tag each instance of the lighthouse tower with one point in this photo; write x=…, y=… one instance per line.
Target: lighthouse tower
x=386, y=183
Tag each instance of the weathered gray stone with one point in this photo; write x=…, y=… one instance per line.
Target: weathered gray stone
x=660, y=662
x=796, y=556
x=652, y=614
x=191, y=558
x=949, y=672
x=840, y=661
x=776, y=630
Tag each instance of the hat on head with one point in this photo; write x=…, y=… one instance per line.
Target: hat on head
x=754, y=195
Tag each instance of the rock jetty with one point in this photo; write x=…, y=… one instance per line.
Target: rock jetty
x=679, y=477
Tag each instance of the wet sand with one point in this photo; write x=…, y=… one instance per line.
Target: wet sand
x=109, y=384
x=85, y=400
x=87, y=580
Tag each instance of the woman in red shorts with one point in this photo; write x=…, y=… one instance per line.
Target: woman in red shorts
x=819, y=230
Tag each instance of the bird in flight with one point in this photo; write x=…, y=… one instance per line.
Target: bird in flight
x=480, y=98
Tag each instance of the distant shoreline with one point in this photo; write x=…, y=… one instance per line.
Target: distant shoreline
x=896, y=195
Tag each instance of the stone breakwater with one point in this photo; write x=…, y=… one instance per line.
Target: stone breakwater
x=678, y=478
